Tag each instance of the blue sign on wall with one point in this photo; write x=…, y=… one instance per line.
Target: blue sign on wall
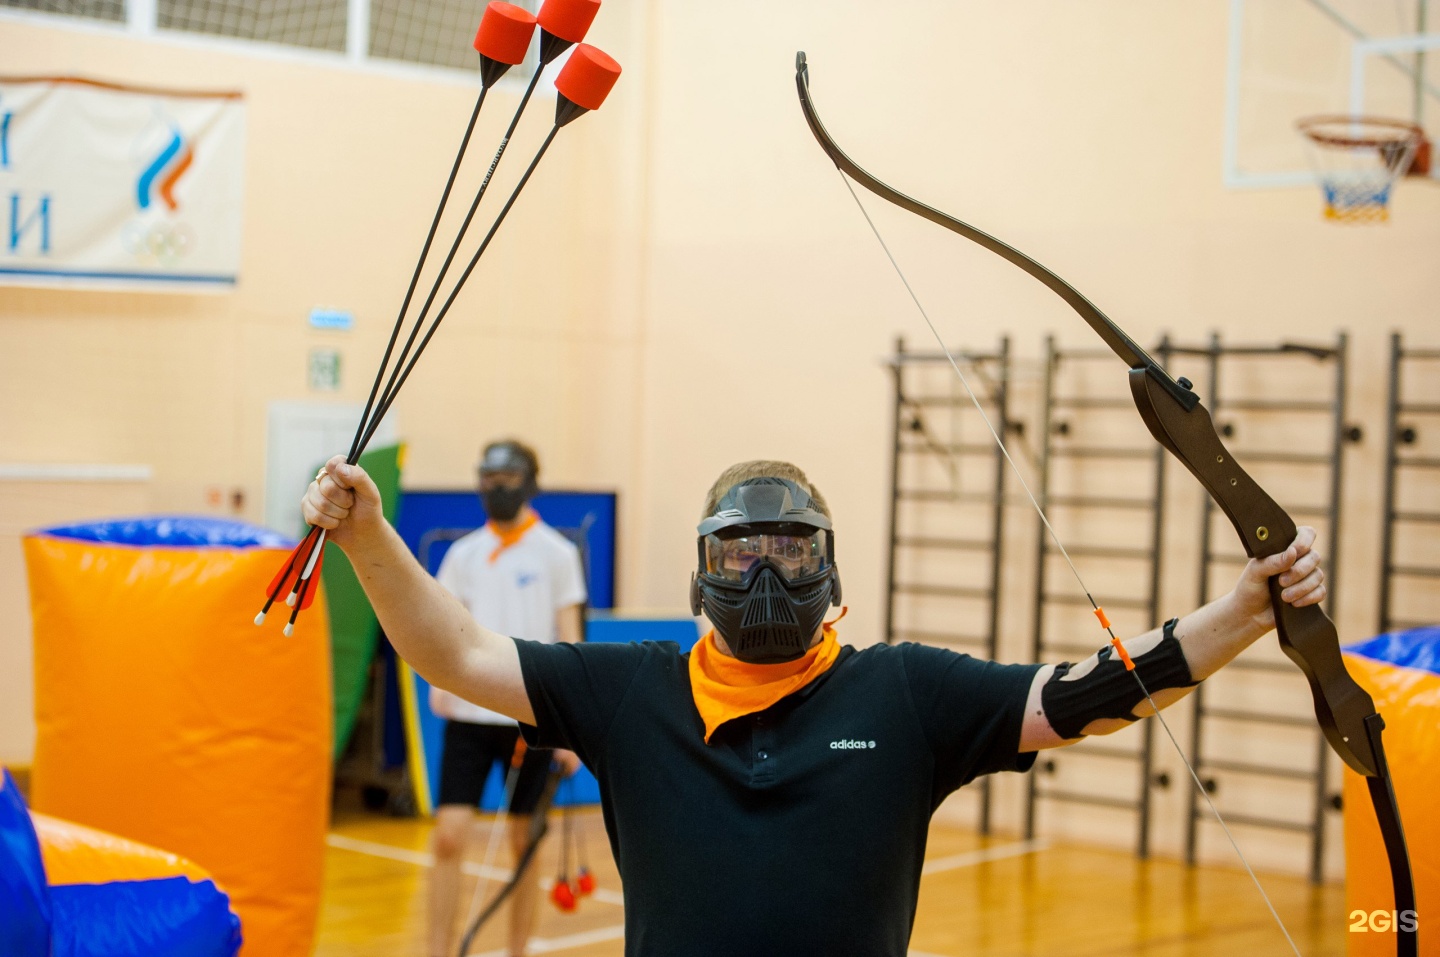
x=332, y=319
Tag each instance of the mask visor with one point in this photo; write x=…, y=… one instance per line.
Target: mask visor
x=795, y=551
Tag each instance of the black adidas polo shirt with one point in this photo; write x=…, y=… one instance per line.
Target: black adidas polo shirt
x=797, y=831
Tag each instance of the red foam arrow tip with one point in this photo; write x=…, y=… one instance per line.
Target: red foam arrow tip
x=568, y=19
x=587, y=77
x=563, y=895
x=505, y=32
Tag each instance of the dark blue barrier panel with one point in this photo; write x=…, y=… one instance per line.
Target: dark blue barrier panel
x=431, y=521
x=582, y=788
x=610, y=626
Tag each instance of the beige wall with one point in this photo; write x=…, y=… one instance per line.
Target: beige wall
x=711, y=293
x=343, y=168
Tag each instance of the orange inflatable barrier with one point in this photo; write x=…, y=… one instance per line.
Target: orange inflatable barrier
x=1402, y=672
x=166, y=717
x=76, y=854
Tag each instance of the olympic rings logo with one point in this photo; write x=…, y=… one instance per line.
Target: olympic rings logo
x=162, y=242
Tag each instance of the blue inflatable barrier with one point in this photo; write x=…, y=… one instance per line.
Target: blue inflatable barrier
x=99, y=914
x=24, y=898
x=175, y=531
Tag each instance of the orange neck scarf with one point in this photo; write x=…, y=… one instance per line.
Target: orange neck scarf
x=510, y=536
x=726, y=688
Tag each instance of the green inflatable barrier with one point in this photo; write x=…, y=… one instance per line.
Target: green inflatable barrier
x=353, y=626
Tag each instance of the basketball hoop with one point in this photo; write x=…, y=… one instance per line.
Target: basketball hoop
x=1359, y=158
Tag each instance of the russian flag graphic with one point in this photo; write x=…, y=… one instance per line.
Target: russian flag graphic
x=164, y=171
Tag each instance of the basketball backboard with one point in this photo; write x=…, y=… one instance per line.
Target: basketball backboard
x=1294, y=58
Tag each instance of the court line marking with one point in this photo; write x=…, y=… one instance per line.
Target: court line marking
x=426, y=859
x=547, y=945
x=997, y=852
x=955, y=862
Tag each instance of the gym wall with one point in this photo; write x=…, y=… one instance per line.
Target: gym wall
x=689, y=283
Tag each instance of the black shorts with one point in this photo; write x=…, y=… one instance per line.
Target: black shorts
x=472, y=749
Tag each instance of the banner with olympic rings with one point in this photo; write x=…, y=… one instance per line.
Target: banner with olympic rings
x=113, y=186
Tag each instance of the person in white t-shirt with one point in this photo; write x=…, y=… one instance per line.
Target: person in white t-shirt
x=520, y=577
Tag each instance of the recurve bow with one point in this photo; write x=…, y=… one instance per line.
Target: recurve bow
x=1179, y=422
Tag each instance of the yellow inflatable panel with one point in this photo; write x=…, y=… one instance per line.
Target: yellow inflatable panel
x=165, y=716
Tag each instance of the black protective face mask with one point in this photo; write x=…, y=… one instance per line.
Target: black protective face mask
x=768, y=612
x=767, y=620
x=503, y=504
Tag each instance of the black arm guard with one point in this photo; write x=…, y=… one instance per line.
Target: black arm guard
x=1109, y=690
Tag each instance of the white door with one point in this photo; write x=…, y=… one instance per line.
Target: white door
x=300, y=436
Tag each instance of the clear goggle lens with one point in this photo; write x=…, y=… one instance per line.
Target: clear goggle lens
x=795, y=556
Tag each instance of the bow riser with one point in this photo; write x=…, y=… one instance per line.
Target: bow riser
x=1307, y=635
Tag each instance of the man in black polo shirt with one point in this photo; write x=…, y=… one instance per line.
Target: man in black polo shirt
x=770, y=792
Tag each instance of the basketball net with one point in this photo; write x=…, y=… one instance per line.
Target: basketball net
x=1358, y=160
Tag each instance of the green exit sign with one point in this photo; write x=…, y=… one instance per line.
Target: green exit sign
x=324, y=370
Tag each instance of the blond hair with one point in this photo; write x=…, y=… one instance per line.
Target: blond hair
x=761, y=468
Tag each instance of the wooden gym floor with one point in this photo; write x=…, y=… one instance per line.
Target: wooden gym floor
x=996, y=897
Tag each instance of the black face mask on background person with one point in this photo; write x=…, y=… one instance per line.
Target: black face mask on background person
x=503, y=501
x=503, y=504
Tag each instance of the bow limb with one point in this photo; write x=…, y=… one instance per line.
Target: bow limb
x=1175, y=417
x=1115, y=337
x=539, y=827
